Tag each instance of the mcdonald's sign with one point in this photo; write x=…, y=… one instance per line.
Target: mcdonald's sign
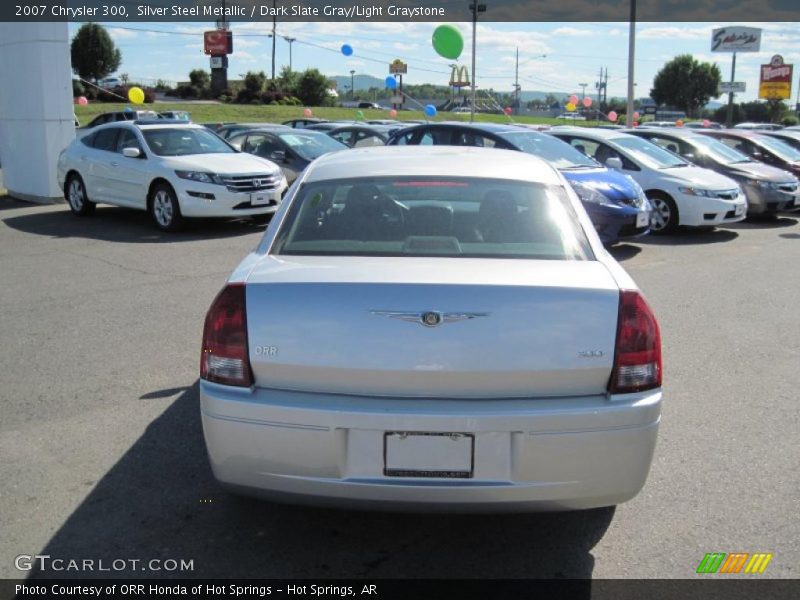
x=459, y=77
x=734, y=563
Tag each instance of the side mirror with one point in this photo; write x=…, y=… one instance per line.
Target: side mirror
x=614, y=163
x=278, y=156
x=132, y=152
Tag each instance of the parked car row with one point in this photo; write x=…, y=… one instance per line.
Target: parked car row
x=631, y=182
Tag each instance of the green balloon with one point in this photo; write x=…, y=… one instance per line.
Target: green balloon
x=448, y=42
x=360, y=114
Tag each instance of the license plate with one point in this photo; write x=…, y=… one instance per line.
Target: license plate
x=642, y=219
x=420, y=454
x=739, y=210
x=262, y=198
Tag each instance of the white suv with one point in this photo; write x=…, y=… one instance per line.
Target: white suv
x=172, y=169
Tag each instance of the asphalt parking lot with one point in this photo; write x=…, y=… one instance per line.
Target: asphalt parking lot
x=102, y=455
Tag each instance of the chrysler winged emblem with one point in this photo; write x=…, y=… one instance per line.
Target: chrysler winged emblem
x=429, y=318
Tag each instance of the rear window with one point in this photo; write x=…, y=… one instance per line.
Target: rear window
x=419, y=216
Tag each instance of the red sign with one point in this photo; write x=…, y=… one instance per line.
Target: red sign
x=218, y=42
x=776, y=79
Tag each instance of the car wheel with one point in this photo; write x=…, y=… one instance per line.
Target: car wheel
x=164, y=208
x=76, y=197
x=665, y=216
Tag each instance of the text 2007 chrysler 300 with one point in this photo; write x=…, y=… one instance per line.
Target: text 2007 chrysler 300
x=432, y=329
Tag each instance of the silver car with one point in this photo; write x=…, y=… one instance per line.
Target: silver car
x=433, y=329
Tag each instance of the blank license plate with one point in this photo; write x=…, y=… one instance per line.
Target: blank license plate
x=416, y=454
x=261, y=198
x=642, y=219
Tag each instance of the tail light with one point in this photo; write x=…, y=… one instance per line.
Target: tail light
x=637, y=356
x=224, y=357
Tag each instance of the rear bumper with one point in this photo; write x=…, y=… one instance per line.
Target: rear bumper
x=548, y=454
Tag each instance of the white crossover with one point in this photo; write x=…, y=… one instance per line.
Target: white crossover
x=680, y=192
x=172, y=169
x=431, y=328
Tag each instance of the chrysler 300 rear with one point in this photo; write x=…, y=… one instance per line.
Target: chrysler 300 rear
x=417, y=332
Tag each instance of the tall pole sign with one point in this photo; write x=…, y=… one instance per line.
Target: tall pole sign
x=735, y=39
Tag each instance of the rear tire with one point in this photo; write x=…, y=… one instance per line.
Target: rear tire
x=665, y=217
x=164, y=208
x=75, y=195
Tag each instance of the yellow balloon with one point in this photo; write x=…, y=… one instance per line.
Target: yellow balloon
x=570, y=106
x=136, y=95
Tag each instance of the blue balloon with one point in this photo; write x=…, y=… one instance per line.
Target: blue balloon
x=347, y=50
x=430, y=110
x=391, y=83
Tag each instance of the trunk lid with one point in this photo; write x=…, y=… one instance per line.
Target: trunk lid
x=510, y=328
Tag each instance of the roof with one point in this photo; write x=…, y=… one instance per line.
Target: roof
x=488, y=127
x=589, y=132
x=433, y=161
x=677, y=133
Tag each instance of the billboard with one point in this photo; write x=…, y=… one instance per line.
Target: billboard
x=398, y=67
x=736, y=39
x=218, y=42
x=776, y=80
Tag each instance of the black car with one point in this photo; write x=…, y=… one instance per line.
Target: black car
x=767, y=188
x=291, y=149
x=303, y=122
x=228, y=131
x=358, y=135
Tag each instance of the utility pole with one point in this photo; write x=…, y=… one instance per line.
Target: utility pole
x=631, y=59
x=274, y=23
x=516, y=85
x=290, y=40
x=352, y=84
x=729, y=113
x=583, y=86
x=475, y=8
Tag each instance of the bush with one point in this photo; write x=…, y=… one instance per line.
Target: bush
x=255, y=82
x=188, y=91
x=790, y=121
x=77, y=89
x=200, y=78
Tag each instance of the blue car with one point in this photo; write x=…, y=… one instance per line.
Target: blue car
x=615, y=203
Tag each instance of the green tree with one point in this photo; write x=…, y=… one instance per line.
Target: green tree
x=93, y=52
x=686, y=83
x=255, y=82
x=288, y=80
x=200, y=78
x=312, y=88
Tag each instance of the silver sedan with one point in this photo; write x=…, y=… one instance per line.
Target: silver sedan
x=431, y=329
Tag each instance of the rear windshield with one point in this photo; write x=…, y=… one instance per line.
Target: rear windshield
x=452, y=217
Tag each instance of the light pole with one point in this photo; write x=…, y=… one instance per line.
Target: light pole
x=290, y=40
x=352, y=84
x=274, y=22
x=631, y=57
x=475, y=8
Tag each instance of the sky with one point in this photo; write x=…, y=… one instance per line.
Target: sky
x=553, y=57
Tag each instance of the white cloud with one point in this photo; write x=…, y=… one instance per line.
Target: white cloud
x=121, y=34
x=572, y=32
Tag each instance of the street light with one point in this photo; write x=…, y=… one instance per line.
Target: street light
x=352, y=84
x=475, y=8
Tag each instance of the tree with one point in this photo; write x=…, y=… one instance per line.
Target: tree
x=312, y=88
x=686, y=83
x=200, y=78
x=288, y=79
x=93, y=52
x=254, y=82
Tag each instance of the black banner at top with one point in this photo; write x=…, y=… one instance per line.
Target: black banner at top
x=713, y=11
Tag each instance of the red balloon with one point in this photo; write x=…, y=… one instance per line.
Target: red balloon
x=612, y=116
x=508, y=110
x=307, y=113
x=573, y=99
x=587, y=102
x=706, y=123
x=636, y=123
x=393, y=113
x=679, y=123
x=82, y=100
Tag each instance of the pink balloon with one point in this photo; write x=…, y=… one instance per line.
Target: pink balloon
x=636, y=116
x=508, y=110
x=587, y=102
x=706, y=123
x=612, y=116
x=307, y=113
x=679, y=123
x=573, y=99
x=393, y=113
x=82, y=100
